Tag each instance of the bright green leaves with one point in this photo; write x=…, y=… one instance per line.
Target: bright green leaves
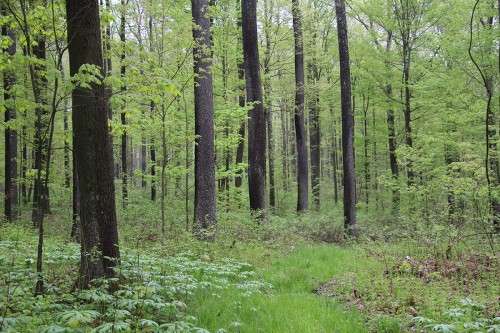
x=77, y=318
x=87, y=76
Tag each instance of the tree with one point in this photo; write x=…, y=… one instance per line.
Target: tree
x=9, y=79
x=349, y=179
x=92, y=145
x=204, y=160
x=123, y=114
x=257, y=121
x=300, y=132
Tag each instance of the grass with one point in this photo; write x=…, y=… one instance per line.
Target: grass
x=370, y=293
x=291, y=305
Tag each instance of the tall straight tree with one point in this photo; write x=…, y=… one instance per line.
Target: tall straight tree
x=92, y=147
x=204, y=153
x=9, y=79
x=257, y=121
x=349, y=179
x=314, y=76
x=241, y=102
x=300, y=131
x=123, y=114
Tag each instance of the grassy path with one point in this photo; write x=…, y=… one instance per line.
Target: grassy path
x=291, y=306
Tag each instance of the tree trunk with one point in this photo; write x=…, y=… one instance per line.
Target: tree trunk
x=107, y=62
x=407, y=106
x=9, y=80
x=349, y=178
x=268, y=104
x=300, y=132
x=366, y=162
x=391, y=136
x=241, y=102
x=123, y=115
x=39, y=84
x=284, y=144
x=314, y=132
x=92, y=147
x=204, y=160
x=257, y=121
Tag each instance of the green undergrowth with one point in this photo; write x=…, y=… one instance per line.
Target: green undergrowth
x=293, y=274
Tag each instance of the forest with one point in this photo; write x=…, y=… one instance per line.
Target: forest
x=249, y=166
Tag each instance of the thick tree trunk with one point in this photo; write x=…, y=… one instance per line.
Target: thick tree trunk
x=204, y=195
x=257, y=121
x=92, y=147
x=407, y=106
x=9, y=80
x=349, y=179
x=300, y=132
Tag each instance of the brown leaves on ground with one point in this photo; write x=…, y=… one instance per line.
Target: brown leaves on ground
x=469, y=268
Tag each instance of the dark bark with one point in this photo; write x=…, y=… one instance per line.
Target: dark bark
x=108, y=64
x=24, y=162
x=123, y=115
x=9, y=80
x=92, y=147
x=152, y=154
x=300, y=132
x=491, y=164
x=204, y=160
x=39, y=84
x=257, y=121
x=391, y=136
x=366, y=143
x=335, y=163
x=240, y=149
x=67, y=169
x=349, y=176
x=284, y=144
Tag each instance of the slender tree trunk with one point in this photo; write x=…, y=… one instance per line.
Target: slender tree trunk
x=314, y=133
x=366, y=143
x=270, y=153
x=284, y=145
x=391, y=135
x=268, y=104
x=123, y=115
x=92, y=147
x=241, y=102
x=257, y=121
x=407, y=106
x=375, y=160
x=107, y=63
x=300, y=132
x=335, y=163
x=204, y=160
x=39, y=84
x=9, y=80
x=187, y=143
x=349, y=178
x=67, y=169
x=24, y=162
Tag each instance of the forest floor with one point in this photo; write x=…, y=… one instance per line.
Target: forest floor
x=295, y=274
